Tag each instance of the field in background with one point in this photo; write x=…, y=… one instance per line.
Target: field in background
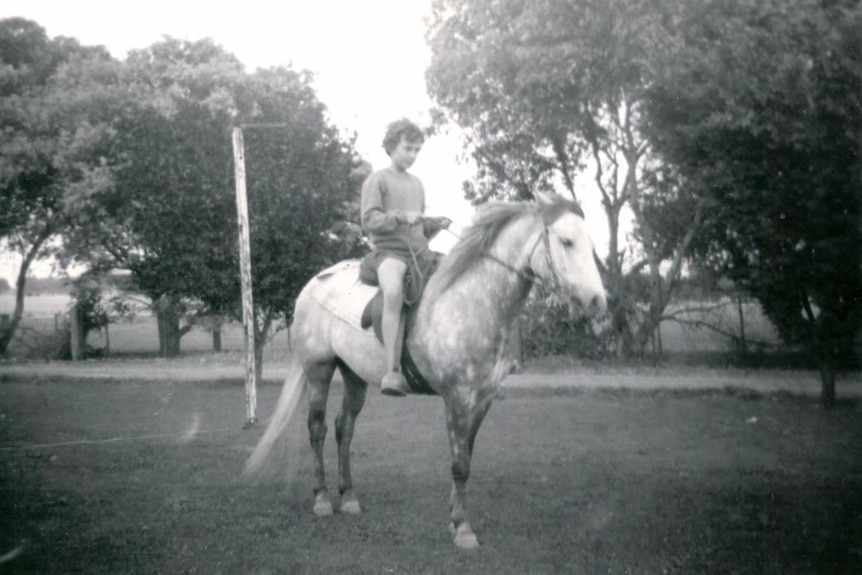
x=43, y=314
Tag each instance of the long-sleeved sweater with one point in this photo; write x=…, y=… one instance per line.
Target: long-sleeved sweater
x=387, y=195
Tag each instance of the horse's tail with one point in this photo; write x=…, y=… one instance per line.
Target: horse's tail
x=292, y=395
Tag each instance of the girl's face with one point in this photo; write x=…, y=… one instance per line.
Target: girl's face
x=405, y=154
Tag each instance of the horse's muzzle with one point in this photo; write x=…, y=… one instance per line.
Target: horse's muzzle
x=593, y=306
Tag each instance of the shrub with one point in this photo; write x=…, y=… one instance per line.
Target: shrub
x=549, y=327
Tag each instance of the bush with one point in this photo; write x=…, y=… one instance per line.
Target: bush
x=549, y=327
x=92, y=315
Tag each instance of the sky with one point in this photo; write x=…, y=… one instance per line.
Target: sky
x=368, y=56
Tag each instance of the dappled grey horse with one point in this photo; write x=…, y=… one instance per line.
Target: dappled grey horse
x=459, y=339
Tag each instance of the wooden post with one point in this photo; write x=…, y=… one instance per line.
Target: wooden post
x=245, y=276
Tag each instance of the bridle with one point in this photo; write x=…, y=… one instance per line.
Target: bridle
x=526, y=272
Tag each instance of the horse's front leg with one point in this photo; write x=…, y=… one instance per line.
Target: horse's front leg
x=463, y=424
x=354, y=399
x=319, y=379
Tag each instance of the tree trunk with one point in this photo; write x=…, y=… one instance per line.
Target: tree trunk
x=170, y=332
x=826, y=345
x=8, y=330
x=623, y=332
x=258, y=362
x=77, y=333
x=260, y=340
x=827, y=383
x=217, y=339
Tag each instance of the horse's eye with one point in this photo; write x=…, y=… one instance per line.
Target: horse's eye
x=567, y=243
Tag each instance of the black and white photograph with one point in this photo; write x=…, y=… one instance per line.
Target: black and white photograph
x=427, y=287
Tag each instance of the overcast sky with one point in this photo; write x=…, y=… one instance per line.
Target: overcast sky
x=369, y=57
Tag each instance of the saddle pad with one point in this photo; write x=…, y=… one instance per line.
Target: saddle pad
x=339, y=290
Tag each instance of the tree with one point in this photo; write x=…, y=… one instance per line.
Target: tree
x=50, y=145
x=762, y=106
x=169, y=216
x=303, y=183
x=545, y=88
x=164, y=214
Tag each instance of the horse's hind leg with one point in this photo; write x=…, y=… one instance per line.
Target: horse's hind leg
x=319, y=378
x=354, y=398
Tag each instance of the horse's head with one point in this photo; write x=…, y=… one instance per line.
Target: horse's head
x=562, y=255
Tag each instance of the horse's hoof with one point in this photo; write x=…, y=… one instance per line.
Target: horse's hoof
x=464, y=537
x=351, y=507
x=394, y=385
x=322, y=505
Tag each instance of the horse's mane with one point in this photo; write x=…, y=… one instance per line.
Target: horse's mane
x=489, y=221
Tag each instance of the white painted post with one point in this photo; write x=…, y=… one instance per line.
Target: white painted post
x=245, y=276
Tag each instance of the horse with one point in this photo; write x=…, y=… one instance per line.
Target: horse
x=459, y=339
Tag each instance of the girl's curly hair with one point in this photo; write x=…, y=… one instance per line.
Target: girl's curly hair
x=398, y=129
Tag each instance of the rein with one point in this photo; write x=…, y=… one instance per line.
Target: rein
x=413, y=272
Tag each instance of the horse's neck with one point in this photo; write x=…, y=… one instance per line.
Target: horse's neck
x=493, y=291
x=516, y=243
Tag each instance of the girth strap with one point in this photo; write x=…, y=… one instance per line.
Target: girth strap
x=417, y=383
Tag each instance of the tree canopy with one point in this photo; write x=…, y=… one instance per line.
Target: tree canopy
x=50, y=146
x=142, y=150
x=763, y=105
x=745, y=111
x=171, y=212
x=545, y=89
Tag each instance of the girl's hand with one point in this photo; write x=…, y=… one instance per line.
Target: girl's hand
x=444, y=222
x=412, y=218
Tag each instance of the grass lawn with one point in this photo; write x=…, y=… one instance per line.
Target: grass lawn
x=587, y=482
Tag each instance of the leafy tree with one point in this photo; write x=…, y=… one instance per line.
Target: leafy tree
x=763, y=106
x=303, y=183
x=170, y=168
x=169, y=216
x=49, y=147
x=546, y=88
